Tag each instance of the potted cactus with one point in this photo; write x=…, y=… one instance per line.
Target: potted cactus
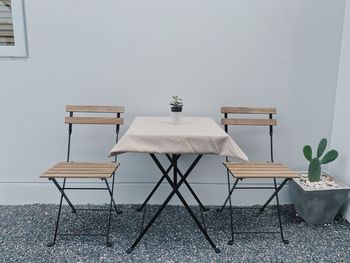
x=316, y=195
x=314, y=172
x=176, y=109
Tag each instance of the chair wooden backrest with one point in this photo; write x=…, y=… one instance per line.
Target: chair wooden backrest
x=248, y=121
x=100, y=120
x=94, y=120
x=255, y=121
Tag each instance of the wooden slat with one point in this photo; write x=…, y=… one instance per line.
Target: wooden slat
x=5, y=26
x=94, y=109
x=254, y=164
x=76, y=176
x=77, y=169
x=248, y=165
x=6, y=33
x=7, y=41
x=6, y=2
x=248, y=110
x=94, y=120
x=258, y=175
x=253, y=122
x=81, y=170
x=242, y=169
x=86, y=164
x=260, y=170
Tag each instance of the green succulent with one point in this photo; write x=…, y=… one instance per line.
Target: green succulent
x=314, y=172
x=176, y=102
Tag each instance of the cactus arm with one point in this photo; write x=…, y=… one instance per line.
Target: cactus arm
x=314, y=170
x=308, y=152
x=329, y=157
x=321, y=147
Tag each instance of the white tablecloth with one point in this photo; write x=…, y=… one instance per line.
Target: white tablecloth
x=199, y=135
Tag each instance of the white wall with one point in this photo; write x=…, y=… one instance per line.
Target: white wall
x=138, y=54
x=341, y=124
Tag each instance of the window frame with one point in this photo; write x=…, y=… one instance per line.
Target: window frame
x=20, y=47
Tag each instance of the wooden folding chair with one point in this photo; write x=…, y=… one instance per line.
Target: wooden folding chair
x=86, y=170
x=248, y=170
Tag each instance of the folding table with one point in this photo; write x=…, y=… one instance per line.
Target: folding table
x=197, y=135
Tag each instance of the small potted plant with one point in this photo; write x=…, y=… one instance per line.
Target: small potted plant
x=176, y=109
x=316, y=195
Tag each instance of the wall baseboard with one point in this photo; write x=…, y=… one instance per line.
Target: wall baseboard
x=131, y=193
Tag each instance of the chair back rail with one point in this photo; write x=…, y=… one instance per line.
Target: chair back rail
x=248, y=121
x=100, y=120
x=254, y=121
x=248, y=110
x=97, y=119
x=94, y=109
x=94, y=120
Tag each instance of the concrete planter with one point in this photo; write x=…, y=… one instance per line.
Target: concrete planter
x=318, y=207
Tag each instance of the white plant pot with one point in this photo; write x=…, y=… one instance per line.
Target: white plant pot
x=176, y=117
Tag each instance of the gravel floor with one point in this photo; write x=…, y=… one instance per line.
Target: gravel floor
x=25, y=231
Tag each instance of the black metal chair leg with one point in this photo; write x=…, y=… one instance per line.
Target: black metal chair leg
x=109, y=244
x=285, y=241
x=274, y=194
x=61, y=189
x=229, y=193
x=58, y=216
x=111, y=194
x=230, y=242
x=119, y=212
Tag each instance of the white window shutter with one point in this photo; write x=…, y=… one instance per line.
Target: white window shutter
x=6, y=24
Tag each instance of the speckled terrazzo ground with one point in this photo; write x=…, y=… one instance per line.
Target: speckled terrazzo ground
x=25, y=231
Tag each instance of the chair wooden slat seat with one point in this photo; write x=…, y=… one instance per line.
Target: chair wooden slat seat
x=81, y=170
x=260, y=170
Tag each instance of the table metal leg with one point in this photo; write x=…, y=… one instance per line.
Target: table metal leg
x=139, y=209
x=182, y=199
x=144, y=231
x=205, y=209
x=175, y=185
